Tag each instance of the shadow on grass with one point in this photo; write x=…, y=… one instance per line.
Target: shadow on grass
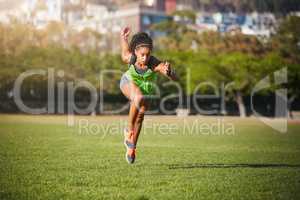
x=199, y=165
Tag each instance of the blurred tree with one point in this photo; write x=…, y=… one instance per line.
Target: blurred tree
x=287, y=39
x=287, y=44
x=178, y=36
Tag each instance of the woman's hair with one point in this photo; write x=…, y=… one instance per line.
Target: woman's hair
x=140, y=39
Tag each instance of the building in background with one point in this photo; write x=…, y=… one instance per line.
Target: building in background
x=170, y=6
x=108, y=17
x=17, y=10
x=139, y=17
x=186, y=5
x=257, y=24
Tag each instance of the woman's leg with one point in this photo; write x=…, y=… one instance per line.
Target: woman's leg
x=133, y=93
x=139, y=121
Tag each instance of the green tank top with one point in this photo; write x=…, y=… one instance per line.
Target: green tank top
x=144, y=81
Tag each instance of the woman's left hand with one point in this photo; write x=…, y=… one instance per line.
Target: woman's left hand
x=166, y=68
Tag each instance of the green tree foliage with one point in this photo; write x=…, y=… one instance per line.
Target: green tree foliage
x=286, y=43
x=197, y=57
x=75, y=53
x=233, y=57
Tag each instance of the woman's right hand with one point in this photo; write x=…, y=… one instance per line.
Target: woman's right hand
x=125, y=32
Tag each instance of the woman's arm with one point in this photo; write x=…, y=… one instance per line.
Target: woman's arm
x=165, y=69
x=125, y=52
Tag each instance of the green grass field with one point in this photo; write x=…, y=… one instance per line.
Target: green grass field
x=42, y=158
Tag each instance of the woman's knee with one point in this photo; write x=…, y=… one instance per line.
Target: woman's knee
x=138, y=99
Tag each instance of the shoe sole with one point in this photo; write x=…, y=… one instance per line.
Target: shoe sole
x=124, y=142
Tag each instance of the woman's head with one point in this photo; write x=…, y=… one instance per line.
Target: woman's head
x=141, y=45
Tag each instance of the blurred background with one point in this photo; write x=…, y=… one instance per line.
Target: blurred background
x=220, y=41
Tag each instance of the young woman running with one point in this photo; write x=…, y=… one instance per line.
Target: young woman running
x=137, y=82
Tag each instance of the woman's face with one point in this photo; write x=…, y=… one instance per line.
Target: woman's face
x=142, y=55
